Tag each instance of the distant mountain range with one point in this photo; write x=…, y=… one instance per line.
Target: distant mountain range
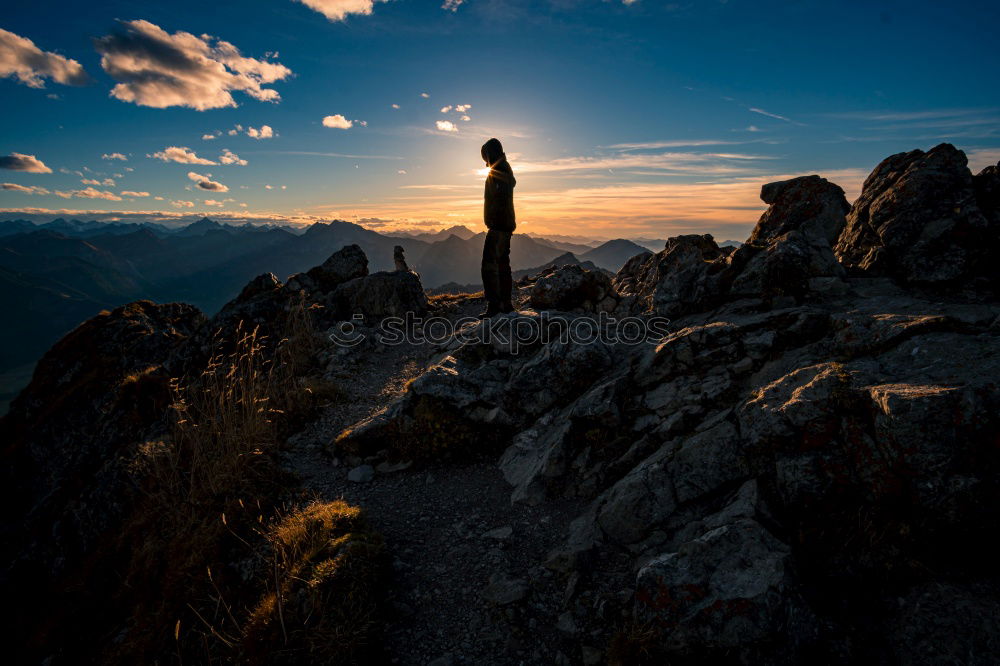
x=55, y=275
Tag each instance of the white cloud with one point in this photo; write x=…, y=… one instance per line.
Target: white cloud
x=206, y=182
x=769, y=114
x=26, y=189
x=753, y=128
x=229, y=157
x=114, y=156
x=130, y=193
x=265, y=132
x=107, y=182
x=425, y=95
x=207, y=137
x=402, y=172
x=338, y=10
x=395, y=106
x=452, y=5
x=462, y=108
x=337, y=122
x=446, y=126
x=182, y=204
x=445, y=109
x=20, y=58
x=157, y=69
x=180, y=154
x=22, y=162
x=90, y=193
x=466, y=119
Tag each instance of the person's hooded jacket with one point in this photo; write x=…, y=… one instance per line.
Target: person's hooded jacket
x=498, y=211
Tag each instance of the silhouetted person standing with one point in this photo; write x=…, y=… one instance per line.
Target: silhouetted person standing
x=498, y=213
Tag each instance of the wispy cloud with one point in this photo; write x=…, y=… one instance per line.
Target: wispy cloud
x=762, y=112
x=89, y=193
x=25, y=189
x=114, y=156
x=343, y=155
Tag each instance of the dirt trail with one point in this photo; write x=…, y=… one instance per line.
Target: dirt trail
x=450, y=530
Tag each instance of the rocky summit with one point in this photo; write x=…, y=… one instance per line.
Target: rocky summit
x=786, y=452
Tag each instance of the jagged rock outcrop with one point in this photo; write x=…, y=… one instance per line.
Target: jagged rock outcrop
x=918, y=221
x=788, y=254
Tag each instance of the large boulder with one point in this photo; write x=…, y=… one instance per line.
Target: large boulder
x=348, y=263
x=917, y=221
x=380, y=295
x=570, y=287
x=792, y=242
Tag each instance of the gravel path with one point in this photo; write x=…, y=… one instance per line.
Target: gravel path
x=467, y=582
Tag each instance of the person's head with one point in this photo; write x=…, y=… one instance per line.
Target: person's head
x=492, y=152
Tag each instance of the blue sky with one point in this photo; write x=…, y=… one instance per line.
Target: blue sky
x=620, y=118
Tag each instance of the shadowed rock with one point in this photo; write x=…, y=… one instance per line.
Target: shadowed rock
x=917, y=220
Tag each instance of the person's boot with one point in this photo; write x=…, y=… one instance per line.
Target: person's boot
x=492, y=309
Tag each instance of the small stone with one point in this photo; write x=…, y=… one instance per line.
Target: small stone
x=500, y=533
x=391, y=468
x=361, y=474
x=566, y=624
x=591, y=656
x=503, y=591
x=444, y=660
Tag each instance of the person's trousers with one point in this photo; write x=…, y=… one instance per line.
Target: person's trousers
x=497, y=282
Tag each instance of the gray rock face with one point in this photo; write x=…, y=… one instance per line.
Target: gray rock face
x=680, y=278
x=380, y=295
x=725, y=592
x=917, y=220
x=570, y=287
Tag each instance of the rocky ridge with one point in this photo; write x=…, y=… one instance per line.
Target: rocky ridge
x=802, y=466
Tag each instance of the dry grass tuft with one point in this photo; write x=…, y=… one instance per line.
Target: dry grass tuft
x=321, y=606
